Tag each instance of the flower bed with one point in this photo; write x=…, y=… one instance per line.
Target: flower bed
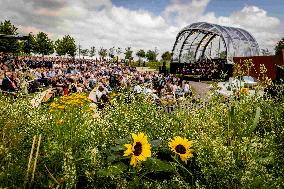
x=232, y=143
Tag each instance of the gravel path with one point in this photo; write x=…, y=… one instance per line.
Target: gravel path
x=201, y=89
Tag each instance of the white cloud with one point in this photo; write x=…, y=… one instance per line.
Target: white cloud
x=265, y=28
x=100, y=23
x=182, y=13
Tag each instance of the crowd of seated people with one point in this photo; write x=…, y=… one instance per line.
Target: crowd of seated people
x=204, y=69
x=68, y=75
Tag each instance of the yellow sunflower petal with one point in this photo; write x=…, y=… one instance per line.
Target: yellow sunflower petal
x=183, y=158
x=134, y=137
x=128, y=151
x=185, y=143
x=139, y=150
x=133, y=161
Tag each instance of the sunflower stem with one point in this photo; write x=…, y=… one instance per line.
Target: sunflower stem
x=182, y=165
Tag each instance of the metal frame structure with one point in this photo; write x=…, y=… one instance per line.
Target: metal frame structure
x=4, y=36
x=236, y=41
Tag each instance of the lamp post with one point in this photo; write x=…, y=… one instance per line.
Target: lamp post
x=79, y=49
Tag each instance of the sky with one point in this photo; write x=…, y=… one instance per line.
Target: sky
x=142, y=24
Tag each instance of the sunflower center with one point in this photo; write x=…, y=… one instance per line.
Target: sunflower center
x=180, y=149
x=137, y=149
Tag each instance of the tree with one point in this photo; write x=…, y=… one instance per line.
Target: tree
x=66, y=45
x=85, y=52
x=279, y=47
x=43, y=45
x=111, y=52
x=92, y=51
x=223, y=55
x=59, y=47
x=70, y=45
x=28, y=45
x=266, y=52
x=118, y=51
x=128, y=53
x=141, y=54
x=8, y=45
x=103, y=52
x=166, y=56
x=151, y=55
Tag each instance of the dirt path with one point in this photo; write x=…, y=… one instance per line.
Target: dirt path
x=201, y=89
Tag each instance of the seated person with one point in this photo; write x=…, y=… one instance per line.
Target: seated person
x=9, y=83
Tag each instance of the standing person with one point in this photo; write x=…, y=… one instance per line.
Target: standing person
x=161, y=85
x=174, y=89
x=186, y=89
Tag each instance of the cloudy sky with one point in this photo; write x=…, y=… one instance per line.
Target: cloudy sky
x=142, y=23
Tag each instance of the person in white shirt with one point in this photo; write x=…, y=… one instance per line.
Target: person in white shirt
x=137, y=89
x=186, y=89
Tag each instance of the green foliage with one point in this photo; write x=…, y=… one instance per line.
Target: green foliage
x=151, y=55
x=66, y=45
x=166, y=56
x=8, y=45
x=111, y=52
x=103, y=52
x=155, y=65
x=223, y=55
x=118, y=51
x=43, y=45
x=279, y=47
x=28, y=46
x=238, y=143
x=85, y=52
x=128, y=53
x=141, y=53
x=59, y=47
x=92, y=51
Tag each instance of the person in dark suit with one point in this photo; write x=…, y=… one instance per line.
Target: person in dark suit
x=9, y=83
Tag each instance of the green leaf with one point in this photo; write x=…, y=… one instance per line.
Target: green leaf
x=157, y=165
x=117, y=148
x=256, y=120
x=156, y=143
x=265, y=160
x=121, y=141
x=114, y=157
x=232, y=111
x=113, y=170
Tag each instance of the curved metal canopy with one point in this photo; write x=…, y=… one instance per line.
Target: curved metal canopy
x=195, y=40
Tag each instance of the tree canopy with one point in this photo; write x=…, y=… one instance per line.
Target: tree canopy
x=111, y=52
x=151, y=55
x=85, y=52
x=43, y=45
x=279, y=47
x=128, y=53
x=166, y=56
x=8, y=45
x=92, y=51
x=66, y=45
x=141, y=53
x=103, y=52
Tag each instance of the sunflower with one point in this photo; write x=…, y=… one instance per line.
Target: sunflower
x=139, y=150
x=181, y=147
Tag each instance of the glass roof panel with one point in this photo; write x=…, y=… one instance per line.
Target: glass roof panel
x=238, y=42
